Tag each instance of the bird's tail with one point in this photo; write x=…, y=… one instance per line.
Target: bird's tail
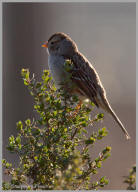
x=106, y=106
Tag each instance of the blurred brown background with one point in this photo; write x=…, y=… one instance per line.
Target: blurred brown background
x=106, y=34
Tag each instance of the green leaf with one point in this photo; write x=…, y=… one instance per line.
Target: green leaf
x=38, y=85
x=19, y=125
x=25, y=73
x=91, y=140
x=99, y=164
x=6, y=186
x=18, y=140
x=3, y=161
x=108, y=148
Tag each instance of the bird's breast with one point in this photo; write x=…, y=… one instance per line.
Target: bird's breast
x=56, y=66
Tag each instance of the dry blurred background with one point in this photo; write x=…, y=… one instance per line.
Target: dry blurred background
x=106, y=34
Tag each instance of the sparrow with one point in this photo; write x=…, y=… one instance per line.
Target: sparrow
x=84, y=80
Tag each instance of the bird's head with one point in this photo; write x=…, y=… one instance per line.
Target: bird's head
x=60, y=44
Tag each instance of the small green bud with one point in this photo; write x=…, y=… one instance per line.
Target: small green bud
x=28, y=122
x=29, y=188
x=19, y=125
x=8, y=165
x=100, y=116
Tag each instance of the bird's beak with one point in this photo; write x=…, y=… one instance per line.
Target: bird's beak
x=45, y=44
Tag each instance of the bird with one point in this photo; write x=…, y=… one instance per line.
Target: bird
x=84, y=79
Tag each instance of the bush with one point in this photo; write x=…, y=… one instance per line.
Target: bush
x=54, y=149
x=131, y=178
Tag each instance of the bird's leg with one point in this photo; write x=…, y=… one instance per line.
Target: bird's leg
x=76, y=109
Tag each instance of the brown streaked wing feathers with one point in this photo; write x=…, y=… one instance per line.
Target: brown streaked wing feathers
x=85, y=77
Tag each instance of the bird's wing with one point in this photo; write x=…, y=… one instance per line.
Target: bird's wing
x=85, y=77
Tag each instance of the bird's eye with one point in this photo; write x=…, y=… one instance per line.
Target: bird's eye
x=52, y=43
